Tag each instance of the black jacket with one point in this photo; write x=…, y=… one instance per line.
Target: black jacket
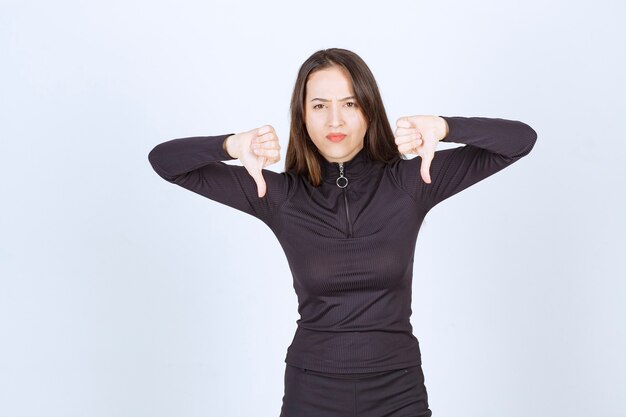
x=350, y=250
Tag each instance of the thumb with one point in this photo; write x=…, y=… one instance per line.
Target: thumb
x=257, y=175
x=425, y=168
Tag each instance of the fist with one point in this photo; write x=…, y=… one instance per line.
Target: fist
x=256, y=149
x=420, y=135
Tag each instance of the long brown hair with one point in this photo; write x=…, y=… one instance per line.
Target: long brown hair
x=302, y=154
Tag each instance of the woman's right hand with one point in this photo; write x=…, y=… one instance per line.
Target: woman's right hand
x=256, y=149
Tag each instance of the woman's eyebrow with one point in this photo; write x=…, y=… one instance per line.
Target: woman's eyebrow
x=343, y=99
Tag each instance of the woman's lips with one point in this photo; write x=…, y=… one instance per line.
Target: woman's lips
x=335, y=138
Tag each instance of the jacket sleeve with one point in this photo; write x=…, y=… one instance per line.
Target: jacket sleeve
x=491, y=144
x=195, y=163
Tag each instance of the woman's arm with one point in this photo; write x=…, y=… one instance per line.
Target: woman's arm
x=491, y=144
x=195, y=163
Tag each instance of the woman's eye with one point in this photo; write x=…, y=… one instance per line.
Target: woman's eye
x=350, y=102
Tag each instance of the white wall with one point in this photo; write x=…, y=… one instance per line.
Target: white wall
x=123, y=295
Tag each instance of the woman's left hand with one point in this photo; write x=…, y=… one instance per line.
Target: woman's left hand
x=420, y=135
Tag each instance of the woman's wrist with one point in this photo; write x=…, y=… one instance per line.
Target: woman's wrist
x=445, y=128
x=230, y=147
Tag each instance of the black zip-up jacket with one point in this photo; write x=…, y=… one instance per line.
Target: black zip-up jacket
x=350, y=250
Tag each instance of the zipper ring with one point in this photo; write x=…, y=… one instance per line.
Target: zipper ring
x=341, y=177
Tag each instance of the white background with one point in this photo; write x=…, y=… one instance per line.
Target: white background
x=123, y=295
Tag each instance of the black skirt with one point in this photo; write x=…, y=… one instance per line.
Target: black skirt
x=394, y=393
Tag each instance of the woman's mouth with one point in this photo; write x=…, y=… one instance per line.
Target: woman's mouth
x=335, y=137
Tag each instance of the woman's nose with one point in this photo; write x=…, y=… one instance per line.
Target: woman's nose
x=335, y=116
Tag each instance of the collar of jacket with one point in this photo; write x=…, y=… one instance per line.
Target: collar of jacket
x=352, y=169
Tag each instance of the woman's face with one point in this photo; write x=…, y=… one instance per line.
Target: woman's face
x=330, y=107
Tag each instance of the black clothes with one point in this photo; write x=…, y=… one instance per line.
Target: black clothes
x=350, y=250
x=391, y=393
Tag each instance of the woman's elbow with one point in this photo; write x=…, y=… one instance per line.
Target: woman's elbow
x=528, y=136
x=154, y=160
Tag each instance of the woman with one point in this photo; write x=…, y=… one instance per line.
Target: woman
x=347, y=211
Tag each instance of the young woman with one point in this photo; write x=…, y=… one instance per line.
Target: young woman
x=347, y=211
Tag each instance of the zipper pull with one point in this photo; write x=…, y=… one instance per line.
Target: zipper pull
x=341, y=177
